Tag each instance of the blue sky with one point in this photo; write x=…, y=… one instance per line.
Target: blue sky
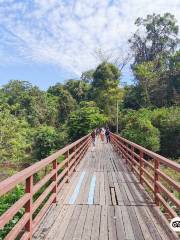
x=49, y=41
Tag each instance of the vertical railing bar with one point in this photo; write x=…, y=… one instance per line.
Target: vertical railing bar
x=126, y=151
x=141, y=166
x=67, y=165
x=28, y=205
x=156, y=178
x=74, y=150
x=54, y=178
x=132, y=156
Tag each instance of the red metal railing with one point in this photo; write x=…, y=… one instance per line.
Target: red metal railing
x=148, y=166
x=56, y=176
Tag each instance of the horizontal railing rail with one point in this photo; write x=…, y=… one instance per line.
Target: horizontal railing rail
x=57, y=170
x=148, y=166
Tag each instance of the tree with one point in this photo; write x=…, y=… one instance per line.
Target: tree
x=85, y=119
x=29, y=102
x=106, y=76
x=45, y=141
x=87, y=76
x=139, y=129
x=172, y=77
x=133, y=97
x=105, y=87
x=167, y=120
x=79, y=89
x=66, y=103
x=157, y=36
x=14, y=138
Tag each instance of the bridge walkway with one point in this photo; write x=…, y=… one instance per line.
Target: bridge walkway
x=102, y=201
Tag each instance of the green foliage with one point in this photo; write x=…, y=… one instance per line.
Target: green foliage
x=45, y=141
x=106, y=76
x=87, y=76
x=105, y=88
x=167, y=120
x=133, y=97
x=156, y=36
x=85, y=119
x=66, y=103
x=26, y=101
x=6, y=202
x=14, y=141
x=78, y=89
x=139, y=129
x=156, y=63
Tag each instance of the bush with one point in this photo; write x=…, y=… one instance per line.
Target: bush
x=167, y=120
x=139, y=129
x=45, y=141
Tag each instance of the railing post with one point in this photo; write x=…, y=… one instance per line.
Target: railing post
x=156, y=178
x=74, y=150
x=126, y=151
x=67, y=157
x=28, y=205
x=54, y=178
x=132, y=156
x=141, y=167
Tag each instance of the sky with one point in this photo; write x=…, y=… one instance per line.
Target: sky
x=50, y=41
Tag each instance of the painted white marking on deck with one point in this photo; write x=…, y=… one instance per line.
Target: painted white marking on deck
x=92, y=190
x=72, y=199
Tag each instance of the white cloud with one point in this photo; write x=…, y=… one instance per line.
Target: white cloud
x=67, y=33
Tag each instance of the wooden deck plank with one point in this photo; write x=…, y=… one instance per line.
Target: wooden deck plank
x=80, y=224
x=88, y=223
x=97, y=189
x=127, y=223
x=104, y=223
x=55, y=228
x=96, y=223
x=120, y=231
x=65, y=222
x=111, y=223
x=135, y=224
x=72, y=223
x=102, y=190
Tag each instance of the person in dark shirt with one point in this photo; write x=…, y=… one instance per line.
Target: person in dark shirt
x=107, y=133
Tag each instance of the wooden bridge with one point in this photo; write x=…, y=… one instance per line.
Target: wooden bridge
x=110, y=191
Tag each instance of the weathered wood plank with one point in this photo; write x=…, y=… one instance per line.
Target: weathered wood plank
x=72, y=223
x=80, y=224
x=96, y=223
x=64, y=224
x=104, y=224
x=111, y=223
x=119, y=223
x=88, y=223
x=127, y=224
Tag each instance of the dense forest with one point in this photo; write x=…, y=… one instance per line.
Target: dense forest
x=35, y=123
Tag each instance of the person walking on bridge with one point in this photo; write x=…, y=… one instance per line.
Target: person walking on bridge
x=102, y=133
x=107, y=133
x=93, y=135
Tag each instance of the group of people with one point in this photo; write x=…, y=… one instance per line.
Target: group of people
x=102, y=133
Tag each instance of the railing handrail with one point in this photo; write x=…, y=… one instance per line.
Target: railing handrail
x=152, y=177
x=166, y=161
x=47, y=188
x=7, y=184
